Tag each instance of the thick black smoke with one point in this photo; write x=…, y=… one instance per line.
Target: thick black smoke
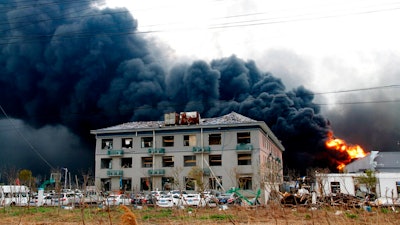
x=73, y=65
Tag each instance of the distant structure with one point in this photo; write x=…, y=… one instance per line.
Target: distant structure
x=386, y=170
x=376, y=161
x=231, y=151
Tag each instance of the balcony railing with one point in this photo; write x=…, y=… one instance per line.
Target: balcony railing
x=156, y=151
x=197, y=149
x=156, y=172
x=244, y=147
x=115, y=152
x=115, y=173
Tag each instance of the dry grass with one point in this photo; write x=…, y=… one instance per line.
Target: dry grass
x=273, y=214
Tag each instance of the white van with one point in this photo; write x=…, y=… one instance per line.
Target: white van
x=14, y=195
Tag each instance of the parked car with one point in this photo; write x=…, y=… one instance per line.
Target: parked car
x=193, y=200
x=165, y=201
x=62, y=199
x=141, y=199
x=113, y=200
x=157, y=194
x=226, y=198
x=33, y=201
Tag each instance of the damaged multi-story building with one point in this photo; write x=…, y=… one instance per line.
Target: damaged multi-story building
x=230, y=151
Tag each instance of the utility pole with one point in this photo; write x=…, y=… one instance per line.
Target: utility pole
x=65, y=177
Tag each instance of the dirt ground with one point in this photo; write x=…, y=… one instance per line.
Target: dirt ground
x=192, y=216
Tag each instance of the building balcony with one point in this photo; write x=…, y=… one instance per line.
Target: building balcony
x=156, y=151
x=115, y=153
x=244, y=147
x=115, y=173
x=198, y=149
x=156, y=172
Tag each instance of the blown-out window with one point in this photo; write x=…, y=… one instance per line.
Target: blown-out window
x=147, y=142
x=106, y=143
x=127, y=143
x=189, y=140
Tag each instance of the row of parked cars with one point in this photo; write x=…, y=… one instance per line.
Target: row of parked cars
x=158, y=198
x=182, y=198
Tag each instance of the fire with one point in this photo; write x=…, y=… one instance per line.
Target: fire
x=353, y=151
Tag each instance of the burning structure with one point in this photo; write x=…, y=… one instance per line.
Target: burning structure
x=347, y=153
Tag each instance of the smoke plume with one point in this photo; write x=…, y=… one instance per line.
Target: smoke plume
x=75, y=67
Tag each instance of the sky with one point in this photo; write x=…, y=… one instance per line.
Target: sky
x=341, y=50
x=307, y=68
x=307, y=42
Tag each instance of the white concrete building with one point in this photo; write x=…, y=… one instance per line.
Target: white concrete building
x=231, y=150
x=387, y=184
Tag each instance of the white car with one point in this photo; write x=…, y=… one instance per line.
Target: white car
x=62, y=199
x=113, y=200
x=193, y=200
x=165, y=201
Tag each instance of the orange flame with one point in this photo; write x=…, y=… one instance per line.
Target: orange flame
x=353, y=151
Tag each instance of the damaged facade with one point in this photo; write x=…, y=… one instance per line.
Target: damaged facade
x=231, y=151
x=385, y=168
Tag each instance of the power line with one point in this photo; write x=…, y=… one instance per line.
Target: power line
x=25, y=139
x=216, y=26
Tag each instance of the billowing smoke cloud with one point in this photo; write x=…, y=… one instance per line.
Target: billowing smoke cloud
x=77, y=67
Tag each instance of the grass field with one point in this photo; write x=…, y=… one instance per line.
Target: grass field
x=273, y=214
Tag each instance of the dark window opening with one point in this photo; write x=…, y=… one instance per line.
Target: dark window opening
x=147, y=142
x=168, y=141
x=189, y=160
x=243, y=138
x=215, y=160
x=127, y=143
x=106, y=144
x=168, y=161
x=214, y=139
x=105, y=164
x=126, y=162
x=147, y=162
x=245, y=183
x=244, y=159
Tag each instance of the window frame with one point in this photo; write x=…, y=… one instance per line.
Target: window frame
x=146, y=142
x=335, y=187
x=215, y=160
x=243, y=137
x=168, y=141
x=189, y=140
x=244, y=159
x=128, y=164
x=189, y=160
x=107, y=143
x=126, y=146
x=215, y=139
x=168, y=161
x=105, y=163
x=245, y=182
x=147, y=162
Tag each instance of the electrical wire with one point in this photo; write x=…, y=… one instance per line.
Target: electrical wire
x=25, y=139
x=211, y=27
